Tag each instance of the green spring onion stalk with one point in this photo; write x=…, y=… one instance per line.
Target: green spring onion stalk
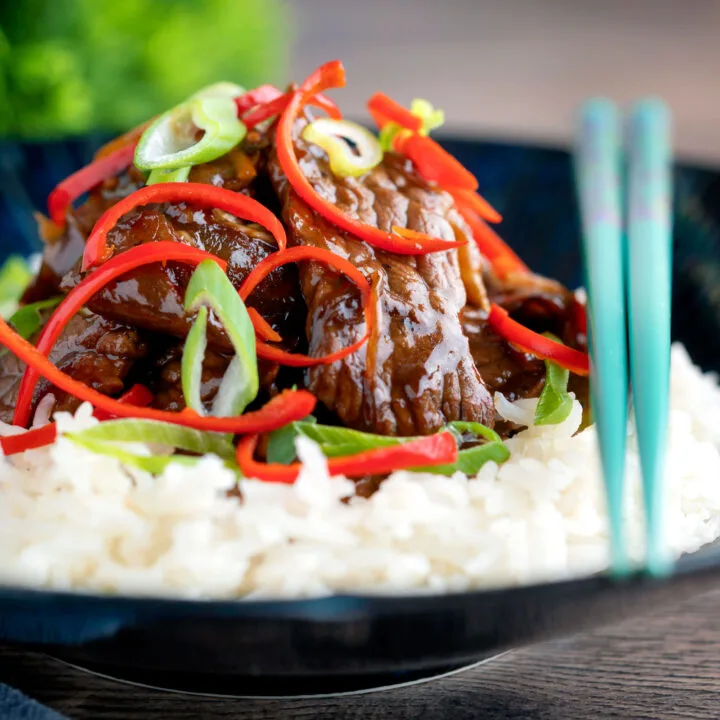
x=174, y=175
x=340, y=442
x=15, y=276
x=192, y=362
x=170, y=142
x=210, y=287
x=470, y=460
x=555, y=403
x=154, y=464
x=281, y=443
x=333, y=136
x=156, y=432
x=432, y=117
x=28, y=319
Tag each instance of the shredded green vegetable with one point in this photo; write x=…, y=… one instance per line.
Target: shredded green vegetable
x=15, y=276
x=28, y=319
x=154, y=464
x=210, y=287
x=555, y=403
x=173, y=175
x=342, y=442
x=111, y=437
x=159, y=433
x=281, y=443
x=432, y=117
x=192, y=362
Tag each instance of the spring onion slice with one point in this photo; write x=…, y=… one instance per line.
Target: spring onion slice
x=555, y=403
x=220, y=89
x=341, y=442
x=471, y=459
x=180, y=174
x=15, y=276
x=432, y=118
x=210, y=287
x=169, y=143
x=28, y=319
x=153, y=464
x=192, y=362
x=333, y=136
x=157, y=432
x=281, y=442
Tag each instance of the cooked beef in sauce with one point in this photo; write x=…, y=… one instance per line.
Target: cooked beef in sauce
x=431, y=359
x=99, y=352
x=416, y=372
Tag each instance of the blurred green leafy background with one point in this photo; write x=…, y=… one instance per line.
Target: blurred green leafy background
x=74, y=66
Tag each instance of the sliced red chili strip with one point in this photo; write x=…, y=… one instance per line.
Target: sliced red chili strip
x=138, y=395
x=535, y=344
x=384, y=109
x=267, y=100
x=29, y=440
x=259, y=96
x=288, y=406
x=119, y=265
x=46, y=434
x=342, y=266
x=330, y=75
x=433, y=162
x=502, y=258
x=200, y=194
x=438, y=449
x=263, y=329
x=475, y=202
x=85, y=179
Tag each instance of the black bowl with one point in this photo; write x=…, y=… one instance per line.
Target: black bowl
x=345, y=642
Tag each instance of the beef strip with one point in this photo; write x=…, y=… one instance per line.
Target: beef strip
x=416, y=372
x=91, y=349
x=152, y=297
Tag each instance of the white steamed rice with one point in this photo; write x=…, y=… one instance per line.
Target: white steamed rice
x=72, y=519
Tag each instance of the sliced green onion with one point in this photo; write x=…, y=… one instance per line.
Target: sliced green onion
x=470, y=460
x=210, y=287
x=281, y=442
x=220, y=89
x=432, y=118
x=28, y=319
x=387, y=135
x=156, y=432
x=335, y=136
x=154, y=464
x=555, y=403
x=342, y=442
x=169, y=143
x=15, y=276
x=192, y=362
x=162, y=176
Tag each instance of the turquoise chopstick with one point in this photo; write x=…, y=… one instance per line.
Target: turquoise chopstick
x=649, y=279
x=598, y=172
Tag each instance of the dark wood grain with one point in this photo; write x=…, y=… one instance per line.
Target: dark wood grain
x=665, y=665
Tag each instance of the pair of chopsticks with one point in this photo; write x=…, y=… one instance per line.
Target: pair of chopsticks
x=628, y=283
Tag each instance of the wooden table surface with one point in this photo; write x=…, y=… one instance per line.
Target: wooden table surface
x=666, y=665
